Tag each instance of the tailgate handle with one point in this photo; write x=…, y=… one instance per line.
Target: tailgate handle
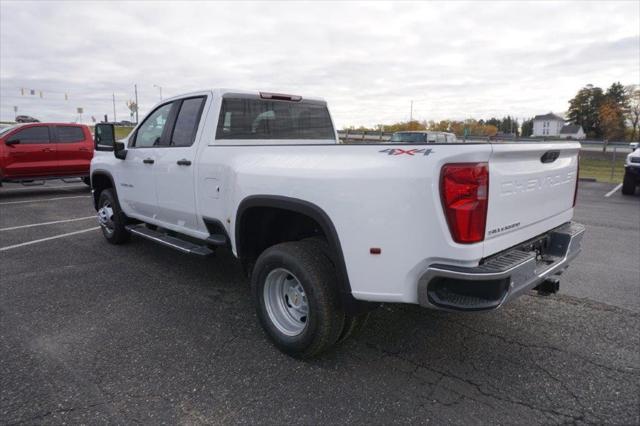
x=550, y=156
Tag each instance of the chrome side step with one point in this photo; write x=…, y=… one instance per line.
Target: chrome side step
x=169, y=241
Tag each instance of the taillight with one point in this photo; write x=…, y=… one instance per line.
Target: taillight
x=575, y=191
x=464, y=189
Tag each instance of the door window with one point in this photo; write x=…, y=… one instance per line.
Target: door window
x=32, y=135
x=150, y=132
x=69, y=134
x=184, y=131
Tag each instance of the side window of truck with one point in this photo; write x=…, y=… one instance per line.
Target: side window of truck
x=150, y=132
x=186, y=127
x=32, y=135
x=69, y=134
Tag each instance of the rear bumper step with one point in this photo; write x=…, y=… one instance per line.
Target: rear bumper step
x=169, y=241
x=502, y=277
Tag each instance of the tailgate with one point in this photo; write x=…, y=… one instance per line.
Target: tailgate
x=531, y=190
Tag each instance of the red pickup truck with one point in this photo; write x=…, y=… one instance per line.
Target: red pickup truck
x=38, y=151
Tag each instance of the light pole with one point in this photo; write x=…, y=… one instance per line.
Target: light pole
x=160, y=89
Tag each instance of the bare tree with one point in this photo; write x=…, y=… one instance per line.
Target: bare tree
x=633, y=112
x=133, y=108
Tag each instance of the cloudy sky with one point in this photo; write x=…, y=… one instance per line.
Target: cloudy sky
x=368, y=59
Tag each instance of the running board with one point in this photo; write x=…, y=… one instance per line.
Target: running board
x=169, y=241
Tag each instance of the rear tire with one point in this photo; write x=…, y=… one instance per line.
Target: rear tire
x=111, y=219
x=353, y=325
x=628, y=184
x=297, y=301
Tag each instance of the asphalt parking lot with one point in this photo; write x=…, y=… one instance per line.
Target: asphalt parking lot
x=92, y=333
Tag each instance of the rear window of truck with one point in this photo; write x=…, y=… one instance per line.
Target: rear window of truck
x=248, y=118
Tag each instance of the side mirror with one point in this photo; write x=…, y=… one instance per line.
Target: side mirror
x=634, y=145
x=120, y=150
x=105, y=140
x=104, y=137
x=11, y=142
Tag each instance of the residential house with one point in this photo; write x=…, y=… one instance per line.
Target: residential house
x=547, y=125
x=572, y=131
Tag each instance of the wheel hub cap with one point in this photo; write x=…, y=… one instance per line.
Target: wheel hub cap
x=286, y=302
x=105, y=217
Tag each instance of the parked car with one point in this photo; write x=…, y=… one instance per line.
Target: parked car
x=38, y=151
x=422, y=136
x=631, y=171
x=26, y=119
x=326, y=231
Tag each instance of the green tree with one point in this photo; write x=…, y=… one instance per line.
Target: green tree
x=618, y=95
x=584, y=109
x=527, y=128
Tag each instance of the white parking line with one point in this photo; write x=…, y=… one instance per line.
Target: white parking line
x=43, y=199
x=46, y=223
x=28, y=243
x=610, y=193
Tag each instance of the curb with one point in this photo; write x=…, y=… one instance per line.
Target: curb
x=587, y=179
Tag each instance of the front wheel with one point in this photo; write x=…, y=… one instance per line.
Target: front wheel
x=294, y=287
x=111, y=219
x=628, y=184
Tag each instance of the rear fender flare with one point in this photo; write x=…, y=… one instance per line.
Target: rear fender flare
x=308, y=209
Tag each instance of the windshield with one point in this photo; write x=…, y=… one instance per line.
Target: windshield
x=409, y=137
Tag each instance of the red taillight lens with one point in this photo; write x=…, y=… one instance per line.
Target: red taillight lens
x=464, y=189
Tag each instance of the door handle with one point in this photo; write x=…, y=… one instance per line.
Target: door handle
x=148, y=161
x=46, y=150
x=83, y=149
x=183, y=162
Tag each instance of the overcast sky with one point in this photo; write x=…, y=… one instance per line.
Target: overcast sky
x=367, y=59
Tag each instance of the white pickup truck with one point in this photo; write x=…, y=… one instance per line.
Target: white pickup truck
x=326, y=231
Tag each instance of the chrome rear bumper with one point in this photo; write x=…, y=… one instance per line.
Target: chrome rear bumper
x=502, y=277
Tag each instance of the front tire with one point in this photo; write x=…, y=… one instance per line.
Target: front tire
x=297, y=300
x=628, y=184
x=111, y=219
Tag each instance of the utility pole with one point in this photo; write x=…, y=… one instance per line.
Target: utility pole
x=114, y=107
x=411, y=113
x=160, y=89
x=135, y=88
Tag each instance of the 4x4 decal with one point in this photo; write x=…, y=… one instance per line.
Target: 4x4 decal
x=412, y=152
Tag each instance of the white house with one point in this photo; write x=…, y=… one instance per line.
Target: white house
x=547, y=125
x=572, y=131
x=552, y=125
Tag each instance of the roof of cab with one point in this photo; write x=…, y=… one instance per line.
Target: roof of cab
x=224, y=91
